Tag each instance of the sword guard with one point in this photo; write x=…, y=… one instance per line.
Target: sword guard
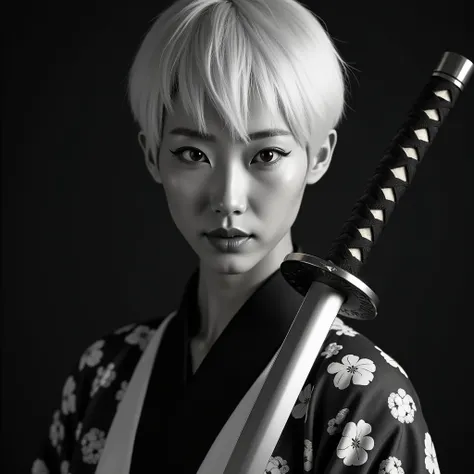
x=301, y=270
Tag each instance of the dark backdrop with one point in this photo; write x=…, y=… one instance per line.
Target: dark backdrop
x=89, y=244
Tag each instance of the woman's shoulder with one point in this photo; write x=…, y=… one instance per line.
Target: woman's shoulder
x=132, y=335
x=98, y=378
x=118, y=349
x=361, y=406
x=347, y=348
x=109, y=359
x=350, y=365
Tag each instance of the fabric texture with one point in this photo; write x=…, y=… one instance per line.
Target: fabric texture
x=357, y=412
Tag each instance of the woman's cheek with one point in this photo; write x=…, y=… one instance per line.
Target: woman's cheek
x=182, y=186
x=289, y=183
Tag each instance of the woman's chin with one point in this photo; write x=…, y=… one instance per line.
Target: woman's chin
x=229, y=263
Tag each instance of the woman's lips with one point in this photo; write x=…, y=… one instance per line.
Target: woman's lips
x=228, y=244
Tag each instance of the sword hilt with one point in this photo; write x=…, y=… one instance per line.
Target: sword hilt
x=372, y=211
x=399, y=163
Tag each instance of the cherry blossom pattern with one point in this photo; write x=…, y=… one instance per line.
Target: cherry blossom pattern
x=431, y=461
x=359, y=371
x=301, y=409
x=331, y=350
x=308, y=455
x=277, y=465
x=335, y=424
x=342, y=329
x=141, y=336
x=125, y=329
x=92, y=355
x=56, y=431
x=65, y=467
x=392, y=361
x=402, y=407
x=121, y=392
x=69, y=398
x=78, y=431
x=355, y=443
x=39, y=467
x=105, y=376
x=392, y=465
x=92, y=446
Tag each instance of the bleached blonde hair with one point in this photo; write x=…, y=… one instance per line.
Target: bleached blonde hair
x=224, y=51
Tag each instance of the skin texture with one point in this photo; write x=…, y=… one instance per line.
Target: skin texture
x=228, y=184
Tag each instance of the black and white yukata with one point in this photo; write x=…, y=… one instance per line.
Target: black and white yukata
x=357, y=413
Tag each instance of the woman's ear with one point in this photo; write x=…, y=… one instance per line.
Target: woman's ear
x=149, y=161
x=319, y=164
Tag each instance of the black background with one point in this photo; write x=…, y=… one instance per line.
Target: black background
x=89, y=244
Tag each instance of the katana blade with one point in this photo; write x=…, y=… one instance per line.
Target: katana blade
x=331, y=286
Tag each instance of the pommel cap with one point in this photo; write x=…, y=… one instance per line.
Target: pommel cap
x=454, y=68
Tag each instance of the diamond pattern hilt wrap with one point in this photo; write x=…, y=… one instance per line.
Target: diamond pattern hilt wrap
x=393, y=175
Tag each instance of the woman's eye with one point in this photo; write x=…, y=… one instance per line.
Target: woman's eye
x=270, y=156
x=189, y=155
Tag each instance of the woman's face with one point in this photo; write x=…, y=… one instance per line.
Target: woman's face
x=213, y=183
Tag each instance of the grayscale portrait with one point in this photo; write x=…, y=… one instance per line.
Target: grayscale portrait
x=193, y=191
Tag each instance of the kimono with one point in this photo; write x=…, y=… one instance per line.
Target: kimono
x=357, y=412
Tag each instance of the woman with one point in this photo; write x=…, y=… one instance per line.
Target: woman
x=237, y=104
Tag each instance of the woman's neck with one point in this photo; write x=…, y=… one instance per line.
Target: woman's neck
x=220, y=296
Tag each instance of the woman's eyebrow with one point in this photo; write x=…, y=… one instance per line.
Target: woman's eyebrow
x=187, y=132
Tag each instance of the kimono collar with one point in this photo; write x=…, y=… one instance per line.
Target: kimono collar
x=183, y=413
x=189, y=307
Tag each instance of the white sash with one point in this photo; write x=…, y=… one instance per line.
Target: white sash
x=117, y=454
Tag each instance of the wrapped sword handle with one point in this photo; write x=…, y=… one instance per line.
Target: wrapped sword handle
x=398, y=166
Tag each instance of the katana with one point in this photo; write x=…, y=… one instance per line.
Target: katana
x=331, y=286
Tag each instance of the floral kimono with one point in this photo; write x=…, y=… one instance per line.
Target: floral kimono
x=357, y=412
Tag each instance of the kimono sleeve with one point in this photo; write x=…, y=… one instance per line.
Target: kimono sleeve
x=57, y=448
x=364, y=415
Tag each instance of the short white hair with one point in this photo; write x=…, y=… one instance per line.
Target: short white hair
x=224, y=51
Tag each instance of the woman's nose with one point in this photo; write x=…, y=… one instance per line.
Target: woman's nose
x=228, y=192
x=228, y=207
